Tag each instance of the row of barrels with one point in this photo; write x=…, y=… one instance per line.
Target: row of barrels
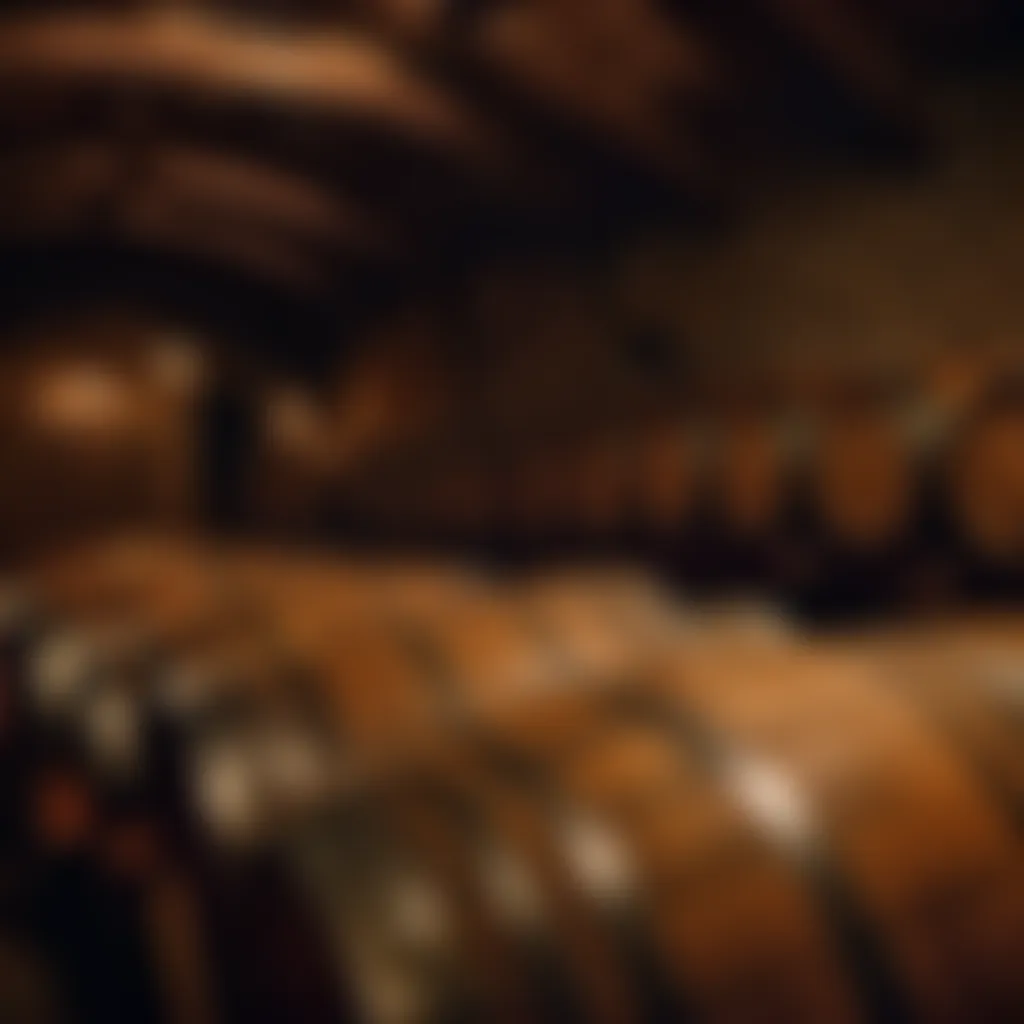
x=159, y=704
x=869, y=498
x=855, y=495
x=251, y=788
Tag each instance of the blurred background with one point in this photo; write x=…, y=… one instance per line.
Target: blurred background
x=511, y=509
x=725, y=288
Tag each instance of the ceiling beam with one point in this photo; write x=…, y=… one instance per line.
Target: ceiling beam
x=615, y=74
x=336, y=72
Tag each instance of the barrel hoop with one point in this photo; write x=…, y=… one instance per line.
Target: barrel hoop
x=861, y=948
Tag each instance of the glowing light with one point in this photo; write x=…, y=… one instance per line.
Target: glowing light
x=177, y=362
x=292, y=421
x=774, y=800
x=81, y=398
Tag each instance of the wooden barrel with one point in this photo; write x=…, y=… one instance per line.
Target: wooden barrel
x=719, y=849
x=984, y=488
x=930, y=859
x=859, y=501
x=566, y=799
x=708, y=847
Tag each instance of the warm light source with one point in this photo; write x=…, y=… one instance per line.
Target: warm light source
x=80, y=398
x=177, y=363
x=293, y=423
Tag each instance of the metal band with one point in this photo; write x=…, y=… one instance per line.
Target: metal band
x=660, y=996
x=862, y=949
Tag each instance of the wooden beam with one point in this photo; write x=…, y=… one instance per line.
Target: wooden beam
x=167, y=224
x=336, y=72
x=53, y=186
x=850, y=42
x=617, y=73
x=285, y=201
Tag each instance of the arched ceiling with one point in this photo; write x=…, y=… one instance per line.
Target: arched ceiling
x=297, y=141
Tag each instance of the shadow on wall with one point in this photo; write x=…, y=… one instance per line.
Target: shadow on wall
x=871, y=266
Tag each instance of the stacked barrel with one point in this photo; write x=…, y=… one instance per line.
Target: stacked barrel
x=249, y=787
x=829, y=489
x=835, y=489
